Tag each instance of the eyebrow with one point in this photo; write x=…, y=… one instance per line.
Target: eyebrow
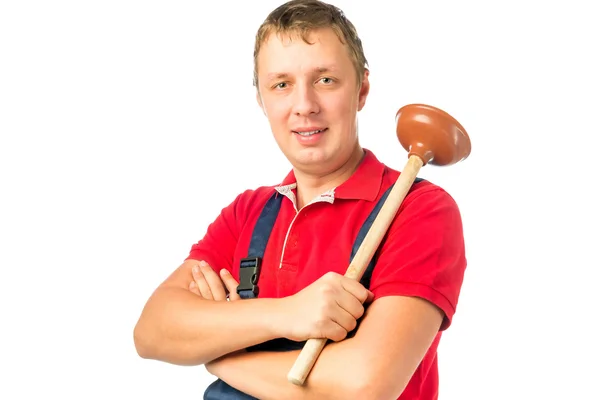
x=283, y=75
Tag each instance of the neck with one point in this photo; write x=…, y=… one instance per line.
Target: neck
x=310, y=185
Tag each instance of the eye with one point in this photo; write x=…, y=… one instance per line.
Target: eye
x=280, y=85
x=326, y=80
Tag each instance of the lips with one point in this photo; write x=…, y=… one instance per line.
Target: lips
x=306, y=132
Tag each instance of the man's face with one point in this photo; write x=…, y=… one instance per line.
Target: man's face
x=310, y=95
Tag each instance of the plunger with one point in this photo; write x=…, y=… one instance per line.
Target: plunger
x=431, y=136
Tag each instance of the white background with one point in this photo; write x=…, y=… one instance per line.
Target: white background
x=127, y=125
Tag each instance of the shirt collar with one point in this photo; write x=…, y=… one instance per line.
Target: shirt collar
x=364, y=184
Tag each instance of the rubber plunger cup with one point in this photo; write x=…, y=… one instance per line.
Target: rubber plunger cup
x=431, y=136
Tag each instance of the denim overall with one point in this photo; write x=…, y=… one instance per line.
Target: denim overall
x=248, y=289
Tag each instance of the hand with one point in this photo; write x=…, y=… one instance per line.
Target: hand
x=207, y=284
x=328, y=308
x=210, y=286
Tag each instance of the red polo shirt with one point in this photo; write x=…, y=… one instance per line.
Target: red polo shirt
x=422, y=253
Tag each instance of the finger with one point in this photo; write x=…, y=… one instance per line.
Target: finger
x=335, y=332
x=356, y=289
x=345, y=320
x=213, y=281
x=201, y=282
x=351, y=304
x=231, y=284
x=194, y=288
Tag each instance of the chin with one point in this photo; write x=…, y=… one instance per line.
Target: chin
x=311, y=156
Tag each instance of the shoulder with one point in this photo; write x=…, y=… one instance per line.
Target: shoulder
x=250, y=201
x=244, y=208
x=424, y=196
x=252, y=196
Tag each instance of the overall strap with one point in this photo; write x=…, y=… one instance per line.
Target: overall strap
x=366, y=278
x=248, y=287
x=250, y=266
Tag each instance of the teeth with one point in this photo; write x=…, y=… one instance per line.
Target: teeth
x=309, y=133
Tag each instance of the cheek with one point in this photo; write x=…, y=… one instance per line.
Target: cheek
x=276, y=111
x=342, y=105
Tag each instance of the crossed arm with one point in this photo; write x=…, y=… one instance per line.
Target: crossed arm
x=377, y=363
x=188, y=326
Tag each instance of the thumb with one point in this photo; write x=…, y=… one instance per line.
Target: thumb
x=230, y=283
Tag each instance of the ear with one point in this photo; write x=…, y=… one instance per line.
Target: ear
x=364, y=90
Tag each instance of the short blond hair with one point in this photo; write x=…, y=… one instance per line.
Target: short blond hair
x=303, y=16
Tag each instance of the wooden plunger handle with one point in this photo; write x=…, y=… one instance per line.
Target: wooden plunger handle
x=313, y=347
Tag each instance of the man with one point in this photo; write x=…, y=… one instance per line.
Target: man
x=311, y=81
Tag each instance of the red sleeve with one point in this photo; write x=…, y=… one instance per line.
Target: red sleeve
x=218, y=245
x=423, y=253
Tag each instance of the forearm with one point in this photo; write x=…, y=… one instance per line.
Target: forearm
x=337, y=374
x=377, y=363
x=179, y=327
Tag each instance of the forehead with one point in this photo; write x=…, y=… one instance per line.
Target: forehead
x=289, y=53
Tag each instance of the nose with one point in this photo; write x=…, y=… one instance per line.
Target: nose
x=305, y=101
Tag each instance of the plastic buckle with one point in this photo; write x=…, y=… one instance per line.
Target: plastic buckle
x=249, y=272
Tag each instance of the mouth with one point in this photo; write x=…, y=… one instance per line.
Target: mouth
x=308, y=133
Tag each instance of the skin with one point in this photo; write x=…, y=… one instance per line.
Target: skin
x=300, y=85
x=303, y=85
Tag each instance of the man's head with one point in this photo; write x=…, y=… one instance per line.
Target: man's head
x=311, y=74
x=300, y=17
